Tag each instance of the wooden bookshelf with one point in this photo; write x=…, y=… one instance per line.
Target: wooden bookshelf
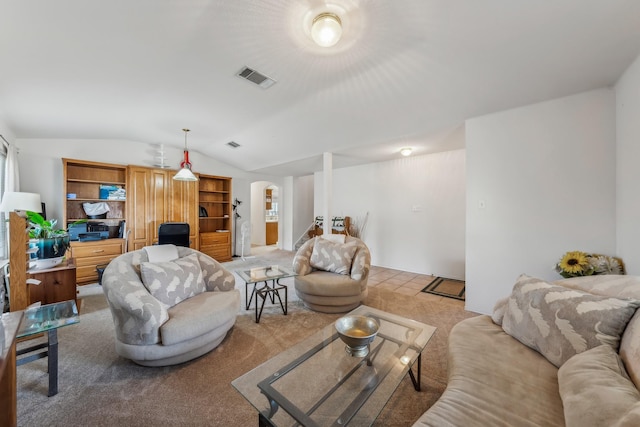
x=84, y=179
x=214, y=199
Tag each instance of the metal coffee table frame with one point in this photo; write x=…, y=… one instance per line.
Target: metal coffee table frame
x=268, y=290
x=407, y=351
x=47, y=318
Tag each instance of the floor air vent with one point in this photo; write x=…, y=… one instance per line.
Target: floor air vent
x=233, y=144
x=256, y=77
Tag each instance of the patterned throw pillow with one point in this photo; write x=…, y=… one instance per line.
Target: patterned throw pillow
x=560, y=323
x=334, y=257
x=335, y=238
x=173, y=281
x=498, y=311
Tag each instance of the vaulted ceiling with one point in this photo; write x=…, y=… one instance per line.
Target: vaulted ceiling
x=405, y=73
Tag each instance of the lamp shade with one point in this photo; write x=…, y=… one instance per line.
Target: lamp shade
x=185, y=174
x=17, y=201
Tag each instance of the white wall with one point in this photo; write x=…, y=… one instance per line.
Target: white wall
x=628, y=167
x=303, y=191
x=258, y=227
x=416, y=209
x=6, y=132
x=9, y=137
x=546, y=174
x=286, y=215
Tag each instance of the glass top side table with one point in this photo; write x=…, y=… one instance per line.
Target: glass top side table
x=46, y=318
x=257, y=275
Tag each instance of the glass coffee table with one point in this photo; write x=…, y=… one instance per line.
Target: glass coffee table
x=262, y=276
x=316, y=383
x=46, y=318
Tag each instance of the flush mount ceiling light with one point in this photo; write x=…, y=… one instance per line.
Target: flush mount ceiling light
x=406, y=151
x=185, y=174
x=326, y=29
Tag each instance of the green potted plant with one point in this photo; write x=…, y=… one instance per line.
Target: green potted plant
x=51, y=242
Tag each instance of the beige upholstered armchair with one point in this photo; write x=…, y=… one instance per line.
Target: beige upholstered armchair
x=332, y=276
x=170, y=311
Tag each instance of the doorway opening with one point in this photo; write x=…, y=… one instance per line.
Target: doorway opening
x=265, y=217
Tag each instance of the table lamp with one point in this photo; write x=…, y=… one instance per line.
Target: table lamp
x=15, y=201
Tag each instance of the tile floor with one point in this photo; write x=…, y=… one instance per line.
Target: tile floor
x=406, y=283
x=394, y=280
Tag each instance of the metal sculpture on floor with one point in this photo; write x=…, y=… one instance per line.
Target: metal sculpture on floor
x=236, y=215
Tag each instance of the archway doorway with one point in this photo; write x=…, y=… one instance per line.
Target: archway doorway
x=266, y=212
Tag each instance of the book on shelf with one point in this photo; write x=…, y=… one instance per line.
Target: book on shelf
x=112, y=192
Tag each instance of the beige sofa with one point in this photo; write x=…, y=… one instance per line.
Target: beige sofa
x=495, y=380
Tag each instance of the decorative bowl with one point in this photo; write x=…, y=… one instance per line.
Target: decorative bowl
x=357, y=332
x=41, y=264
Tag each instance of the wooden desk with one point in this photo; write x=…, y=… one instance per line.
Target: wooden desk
x=9, y=323
x=57, y=283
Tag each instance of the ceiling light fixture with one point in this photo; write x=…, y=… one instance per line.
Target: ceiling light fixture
x=406, y=151
x=185, y=173
x=326, y=29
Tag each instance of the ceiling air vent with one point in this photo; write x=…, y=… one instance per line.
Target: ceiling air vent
x=233, y=144
x=256, y=77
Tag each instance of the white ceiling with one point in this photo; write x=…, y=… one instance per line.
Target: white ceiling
x=407, y=72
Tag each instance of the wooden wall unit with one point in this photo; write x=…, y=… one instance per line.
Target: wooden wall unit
x=216, y=244
x=139, y=186
x=18, y=259
x=89, y=255
x=159, y=195
x=183, y=206
x=214, y=196
x=84, y=179
x=156, y=198
x=152, y=197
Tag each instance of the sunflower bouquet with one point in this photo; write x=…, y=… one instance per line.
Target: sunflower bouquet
x=577, y=263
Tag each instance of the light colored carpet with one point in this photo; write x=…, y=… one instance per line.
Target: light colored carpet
x=265, y=257
x=99, y=388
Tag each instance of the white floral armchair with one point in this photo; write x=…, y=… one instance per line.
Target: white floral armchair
x=168, y=319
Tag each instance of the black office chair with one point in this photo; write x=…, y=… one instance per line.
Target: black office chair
x=176, y=233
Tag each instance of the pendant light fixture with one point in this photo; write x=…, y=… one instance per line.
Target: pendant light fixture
x=185, y=174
